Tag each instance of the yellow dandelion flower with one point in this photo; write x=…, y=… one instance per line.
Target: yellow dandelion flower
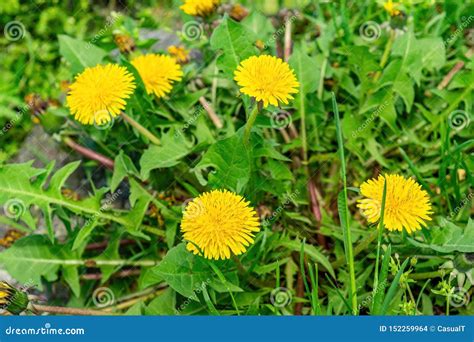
x=406, y=204
x=267, y=79
x=98, y=94
x=179, y=53
x=158, y=72
x=199, y=7
x=391, y=8
x=13, y=300
x=219, y=223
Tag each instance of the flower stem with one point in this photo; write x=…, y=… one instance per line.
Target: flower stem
x=210, y=111
x=321, y=79
x=130, y=302
x=88, y=153
x=379, y=237
x=250, y=122
x=386, y=54
x=344, y=211
x=430, y=275
x=146, y=133
x=357, y=249
x=66, y=311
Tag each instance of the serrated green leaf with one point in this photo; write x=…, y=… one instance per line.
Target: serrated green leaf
x=230, y=161
x=123, y=167
x=449, y=238
x=183, y=270
x=174, y=147
x=164, y=304
x=32, y=258
x=232, y=39
x=79, y=53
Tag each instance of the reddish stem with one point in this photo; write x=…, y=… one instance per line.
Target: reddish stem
x=210, y=111
x=454, y=70
x=88, y=153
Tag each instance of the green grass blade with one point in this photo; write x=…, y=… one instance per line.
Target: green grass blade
x=348, y=306
x=380, y=228
x=302, y=268
x=313, y=274
x=379, y=291
x=415, y=171
x=344, y=211
x=208, y=301
x=393, y=288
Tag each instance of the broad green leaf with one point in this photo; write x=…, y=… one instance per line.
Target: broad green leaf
x=307, y=71
x=418, y=54
x=111, y=252
x=183, y=271
x=230, y=161
x=278, y=170
x=32, y=258
x=432, y=51
x=79, y=53
x=123, y=167
x=364, y=64
x=135, y=310
x=22, y=186
x=260, y=25
x=381, y=105
x=174, y=147
x=400, y=82
x=148, y=278
x=227, y=286
x=164, y=304
x=449, y=238
x=232, y=40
